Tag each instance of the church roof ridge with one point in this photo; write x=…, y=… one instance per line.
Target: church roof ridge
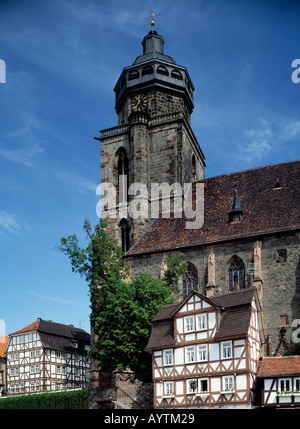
x=246, y=170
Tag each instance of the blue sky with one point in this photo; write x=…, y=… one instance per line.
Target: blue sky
x=63, y=59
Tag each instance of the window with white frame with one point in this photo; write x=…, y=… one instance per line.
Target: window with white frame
x=285, y=384
x=168, y=388
x=202, y=322
x=226, y=349
x=202, y=385
x=228, y=382
x=190, y=354
x=202, y=352
x=297, y=384
x=191, y=386
x=168, y=357
x=189, y=324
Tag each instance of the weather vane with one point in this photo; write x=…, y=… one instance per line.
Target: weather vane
x=154, y=15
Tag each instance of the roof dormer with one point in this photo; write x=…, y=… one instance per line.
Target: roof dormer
x=236, y=213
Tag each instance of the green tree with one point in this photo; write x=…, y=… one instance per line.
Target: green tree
x=121, y=309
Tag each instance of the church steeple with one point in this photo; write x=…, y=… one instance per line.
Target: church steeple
x=151, y=72
x=154, y=102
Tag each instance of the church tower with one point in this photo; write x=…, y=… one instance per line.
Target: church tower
x=153, y=141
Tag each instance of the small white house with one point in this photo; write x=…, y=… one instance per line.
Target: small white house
x=280, y=381
x=205, y=351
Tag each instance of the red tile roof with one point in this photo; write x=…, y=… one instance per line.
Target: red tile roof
x=32, y=327
x=280, y=365
x=3, y=344
x=266, y=208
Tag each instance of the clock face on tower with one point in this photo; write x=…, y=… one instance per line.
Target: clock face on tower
x=139, y=103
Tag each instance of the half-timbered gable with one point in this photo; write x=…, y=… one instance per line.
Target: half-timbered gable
x=46, y=356
x=280, y=381
x=205, y=351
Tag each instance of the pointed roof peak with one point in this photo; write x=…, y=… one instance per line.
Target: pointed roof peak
x=236, y=207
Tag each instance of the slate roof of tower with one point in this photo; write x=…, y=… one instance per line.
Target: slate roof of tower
x=235, y=309
x=267, y=208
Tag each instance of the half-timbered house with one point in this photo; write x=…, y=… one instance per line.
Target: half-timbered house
x=46, y=356
x=280, y=381
x=206, y=351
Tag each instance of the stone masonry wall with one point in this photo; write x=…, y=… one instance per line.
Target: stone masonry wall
x=280, y=279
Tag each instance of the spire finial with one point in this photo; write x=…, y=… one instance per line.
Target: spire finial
x=153, y=15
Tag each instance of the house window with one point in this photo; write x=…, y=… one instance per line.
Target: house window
x=297, y=384
x=202, y=353
x=190, y=354
x=203, y=385
x=189, y=324
x=228, y=382
x=168, y=357
x=285, y=384
x=168, y=388
x=226, y=350
x=236, y=274
x=201, y=321
x=192, y=386
x=75, y=345
x=190, y=281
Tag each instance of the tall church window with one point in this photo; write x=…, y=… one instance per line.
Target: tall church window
x=123, y=175
x=236, y=274
x=124, y=227
x=194, y=175
x=190, y=282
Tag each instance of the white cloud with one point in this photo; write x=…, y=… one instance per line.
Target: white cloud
x=291, y=130
x=25, y=156
x=9, y=223
x=54, y=299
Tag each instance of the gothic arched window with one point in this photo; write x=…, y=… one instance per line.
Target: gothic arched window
x=194, y=174
x=123, y=175
x=124, y=227
x=236, y=274
x=190, y=282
